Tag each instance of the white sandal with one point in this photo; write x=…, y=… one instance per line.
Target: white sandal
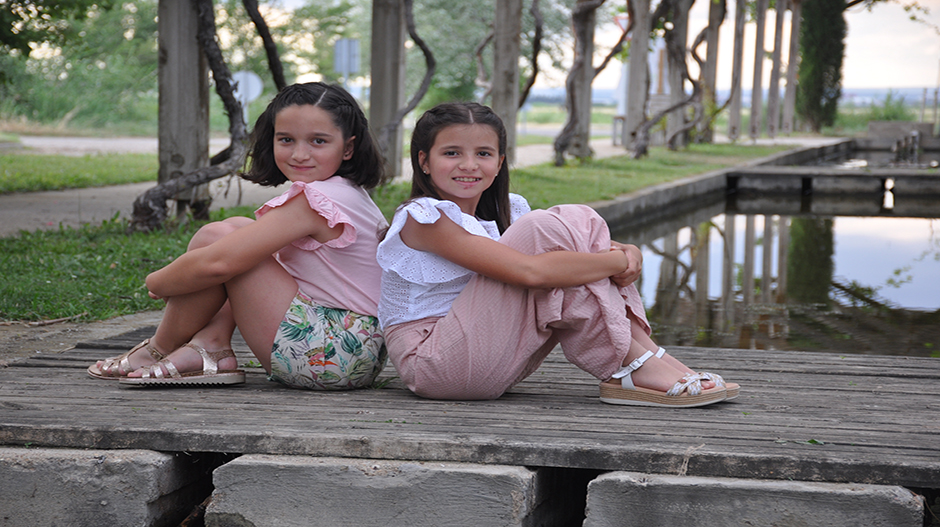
x=732, y=389
x=686, y=393
x=210, y=373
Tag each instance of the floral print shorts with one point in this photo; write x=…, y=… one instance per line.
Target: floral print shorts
x=322, y=348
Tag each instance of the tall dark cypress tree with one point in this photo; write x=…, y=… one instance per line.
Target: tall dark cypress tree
x=822, y=46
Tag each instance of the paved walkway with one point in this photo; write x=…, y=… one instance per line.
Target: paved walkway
x=74, y=207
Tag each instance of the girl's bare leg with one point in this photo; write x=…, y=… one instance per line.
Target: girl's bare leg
x=202, y=317
x=640, y=336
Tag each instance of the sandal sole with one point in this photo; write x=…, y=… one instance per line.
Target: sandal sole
x=192, y=379
x=611, y=394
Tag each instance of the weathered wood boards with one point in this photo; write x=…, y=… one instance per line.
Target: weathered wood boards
x=802, y=416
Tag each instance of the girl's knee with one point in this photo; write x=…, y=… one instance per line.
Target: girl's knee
x=212, y=232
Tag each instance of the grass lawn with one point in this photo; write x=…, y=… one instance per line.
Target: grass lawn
x=97, y=272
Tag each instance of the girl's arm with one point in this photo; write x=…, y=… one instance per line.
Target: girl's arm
x=500, y=262
x=241, y=250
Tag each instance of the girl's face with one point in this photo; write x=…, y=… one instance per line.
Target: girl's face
x=462, y=163
x=307, y=145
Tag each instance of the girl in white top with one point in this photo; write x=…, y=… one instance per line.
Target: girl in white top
x=477, y=290
x=301, y=282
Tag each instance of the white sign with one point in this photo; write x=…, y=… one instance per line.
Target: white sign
x=247, y=86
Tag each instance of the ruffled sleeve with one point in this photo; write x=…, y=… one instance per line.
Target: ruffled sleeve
x=420, y=266
x=323, y=206
x=518, y=206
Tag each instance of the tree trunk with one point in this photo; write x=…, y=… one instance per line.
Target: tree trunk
x=575, y=136
x=638, y=82
x=757, y=89
x=150, y=209
x=506, y=45
x=734, y=115
x=773, y=92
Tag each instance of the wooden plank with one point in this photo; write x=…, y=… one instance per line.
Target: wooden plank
x=805, y=416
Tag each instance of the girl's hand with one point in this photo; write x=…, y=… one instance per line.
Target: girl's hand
x=634, y=264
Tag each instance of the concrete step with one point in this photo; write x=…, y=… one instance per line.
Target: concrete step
x=629, y=498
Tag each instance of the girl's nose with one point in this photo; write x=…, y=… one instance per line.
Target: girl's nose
x=301, y=151
x=468, y=163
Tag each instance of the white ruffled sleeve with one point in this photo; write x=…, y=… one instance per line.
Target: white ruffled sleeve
x=323, y=206
x=419, y=266
x=518, y=206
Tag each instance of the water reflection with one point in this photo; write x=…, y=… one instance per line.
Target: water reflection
x=793, y=282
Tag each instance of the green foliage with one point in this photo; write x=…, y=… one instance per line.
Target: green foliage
x=822, y=46
x=28, y=173
x=25, y=22
x=892, y=109
x=96, y=80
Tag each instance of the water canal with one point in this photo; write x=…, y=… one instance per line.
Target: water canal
x=853, y=273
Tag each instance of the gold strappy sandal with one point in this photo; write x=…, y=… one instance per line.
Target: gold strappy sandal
x=210, y=374
x=118, y=367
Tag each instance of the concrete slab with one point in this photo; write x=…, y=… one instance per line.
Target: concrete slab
x=617, y=498
x=69, y=487
x=298, y=490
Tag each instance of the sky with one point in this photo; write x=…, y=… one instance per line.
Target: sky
x=884, y=48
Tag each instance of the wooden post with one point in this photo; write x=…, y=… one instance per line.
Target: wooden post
x=757, y=90
x=581, y=140
x=638, y=73
x=734, y=112
x=767, y=253
x=716, y=15
x=793, y=62
x=783, y=249
x=183, y=115
x=773, y=95
x=506, y=46
x=676, y=119
x=387, y=93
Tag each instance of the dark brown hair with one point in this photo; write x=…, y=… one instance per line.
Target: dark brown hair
x=494, y=202
x=365, y=168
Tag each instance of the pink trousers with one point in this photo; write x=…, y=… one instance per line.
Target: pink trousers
x=496, y=335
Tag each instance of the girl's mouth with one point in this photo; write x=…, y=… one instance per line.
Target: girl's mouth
x=467, y=179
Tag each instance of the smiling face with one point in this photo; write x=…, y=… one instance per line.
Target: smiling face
x=308, y=146
x=462, y=163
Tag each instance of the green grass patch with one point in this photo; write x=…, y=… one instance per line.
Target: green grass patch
x=29, y=172
x=602, y=179
x=98, y=271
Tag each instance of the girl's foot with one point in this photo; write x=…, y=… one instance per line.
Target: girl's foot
x=143, y=354
x=187, y=358
x=649, y=380
x=190, y=364
x=709, y=380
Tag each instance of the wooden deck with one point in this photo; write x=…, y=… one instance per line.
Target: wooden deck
x=801, y=416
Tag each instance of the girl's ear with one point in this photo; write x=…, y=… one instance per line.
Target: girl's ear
x=502, y=159
x=423, y=161
x=349, y=148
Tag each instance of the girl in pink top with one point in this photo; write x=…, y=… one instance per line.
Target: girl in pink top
x=301, y=282
x=492, y=289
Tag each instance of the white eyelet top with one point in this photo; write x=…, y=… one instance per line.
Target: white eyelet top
x=419, y=284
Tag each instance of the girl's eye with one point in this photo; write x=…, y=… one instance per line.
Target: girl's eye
x=284, y=140
x=485, y=154
x=450, y=153
x=319, y=141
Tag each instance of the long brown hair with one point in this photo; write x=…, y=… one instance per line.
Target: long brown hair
x=494, y=202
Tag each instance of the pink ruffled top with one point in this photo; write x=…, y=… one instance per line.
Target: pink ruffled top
x=341, y=273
